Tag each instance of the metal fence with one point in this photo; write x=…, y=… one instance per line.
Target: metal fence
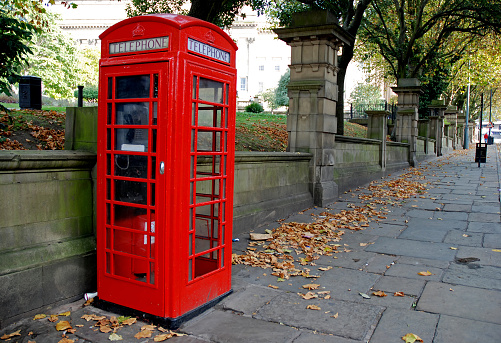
x=358, y=110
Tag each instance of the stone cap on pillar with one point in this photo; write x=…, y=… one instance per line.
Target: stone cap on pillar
x=438, y=106
x=408, y=85
x=378, y=113
x=318, y=23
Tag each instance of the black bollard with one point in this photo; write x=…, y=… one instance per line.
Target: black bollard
x=80, y=96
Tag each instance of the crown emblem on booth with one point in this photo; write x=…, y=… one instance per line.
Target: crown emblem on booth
x=138, y=31
x=209, y=36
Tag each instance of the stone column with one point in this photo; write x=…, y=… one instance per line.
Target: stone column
x=437, y=108
x=377, y=128
x=451, y=116
x=314, y=38
x=408, y=91
x=423, y=131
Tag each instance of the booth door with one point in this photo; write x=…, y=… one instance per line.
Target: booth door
x=131, y=238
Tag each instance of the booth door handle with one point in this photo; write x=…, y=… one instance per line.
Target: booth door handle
x=162, y=168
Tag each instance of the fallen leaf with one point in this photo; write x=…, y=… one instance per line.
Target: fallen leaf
x=453, y=248
x=327, y=297
x=79, y=326
x=465, y=235
x=161, y=329
x=309, y=295
x=379, y=294
x=313, y=307
x=88, y=302
x=324, y=269
x=260, y=236
x=162, y=337
x=7, y=336
x=411, y=338
x=39, y=316
x=129, y=321
x=365, y=296
x=273, y=286
x=399, y=294
x=496, y=250
x=311, y=286
x=63, y=325
x=66, y=340
x=336, y=315
x=148, y=327
x=105, y=329
x=53, y=318
x=115, y=337
x=426, y=273
x=71, y=331
x=65, y=314
x=450, y=289
x=143, y=334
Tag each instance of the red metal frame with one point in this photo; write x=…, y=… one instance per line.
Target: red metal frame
x=164, y=240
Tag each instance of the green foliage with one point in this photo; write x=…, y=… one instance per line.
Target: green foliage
x=15, y=35
x=88, y=66
x=269, y=98
x=281, y=95
x=254, y=107
x=89, y=93
x=54, y=59
x=365, y=93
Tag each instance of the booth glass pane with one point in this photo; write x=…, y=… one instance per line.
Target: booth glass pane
x=108, y=263
x=131, y=140
x=209, y=165
x=152, y=273
x=153, y=167
x=207, y=190
x=210, y=90
x=109, y=112
x=155, y=85
x=209, y=141
x=132, y=113
x=131, y=166
x=110, y=87
x=222, y=257
x=130, y=217
x=152, y=195
x=155, y=113
x=194, y=87
x=130, y=243
x=209, y=116
x=108, y=164
x=194, y=114
x=108, y=214
x=131, y=191
x=108, y=139
x=108, y=238
x=108, y=189
x=135, y=86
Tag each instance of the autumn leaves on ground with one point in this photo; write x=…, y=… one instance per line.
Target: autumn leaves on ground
x=44, y=130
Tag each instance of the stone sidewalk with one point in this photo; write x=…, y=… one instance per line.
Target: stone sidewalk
x=451, y=232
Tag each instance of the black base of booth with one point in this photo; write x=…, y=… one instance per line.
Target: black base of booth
x=165, y=322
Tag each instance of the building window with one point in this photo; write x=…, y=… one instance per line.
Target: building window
x=261, y=87
x=277, y=68
x=261, y=68
x=243, y=84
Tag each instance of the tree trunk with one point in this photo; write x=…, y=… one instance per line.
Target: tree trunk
x=205, y=10
x=343, y=62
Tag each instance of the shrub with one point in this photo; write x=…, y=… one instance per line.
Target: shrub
x=254, y=107
x=90, y=93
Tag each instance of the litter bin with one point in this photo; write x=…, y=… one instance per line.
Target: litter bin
x=490, y=140
x=30, y=92
x=481, y=153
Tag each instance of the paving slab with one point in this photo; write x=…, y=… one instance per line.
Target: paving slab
x=420, y=214
x=435, y=224
x=411, y=272
x=219, y=326
x=405, y=247
x=249, y=300
x=351, y=260
x=455, y=207
x=481, y=227
x=486, y=208
x=465, y=302
x=452, y=329
x=384, y=229
x=453, y=217
x=424, y=233
x=484, y=217
x=474, y=275
x=380, y=263
x=307, y=337
x=492, y=240
x=396, y=323
x=345, y=284
x=392, y=284
x=425, y=262
x=486, y=255
x=354, y=319
x=456, y=237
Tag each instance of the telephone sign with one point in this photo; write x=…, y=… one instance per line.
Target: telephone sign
x=166, y=128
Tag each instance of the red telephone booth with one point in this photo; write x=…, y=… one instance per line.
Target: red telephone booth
x=166, y=144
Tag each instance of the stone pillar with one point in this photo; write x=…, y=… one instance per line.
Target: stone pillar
x=314, y=38
x=408, y=91
x=451, y=116
x=423, y=129
x=437, y=108
x=377, y=128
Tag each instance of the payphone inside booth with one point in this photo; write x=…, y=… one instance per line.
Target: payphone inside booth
x=167, y=102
